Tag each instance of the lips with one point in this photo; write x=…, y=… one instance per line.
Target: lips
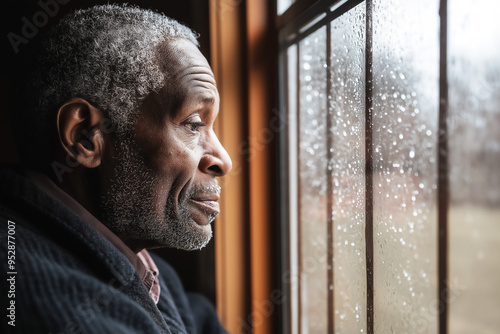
x=207, y=203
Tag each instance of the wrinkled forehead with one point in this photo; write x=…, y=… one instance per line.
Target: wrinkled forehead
x=177, y=57
x=187, y=75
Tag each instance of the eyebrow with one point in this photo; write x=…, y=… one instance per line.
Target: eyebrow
x=207, y=99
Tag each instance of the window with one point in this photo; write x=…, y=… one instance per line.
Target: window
x=391, y=153
x=283, y=5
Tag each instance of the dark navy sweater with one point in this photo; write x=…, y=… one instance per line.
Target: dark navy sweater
x=67, y=278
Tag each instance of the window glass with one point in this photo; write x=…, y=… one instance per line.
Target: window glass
x=405, y=118
x=312, y=182
x=283, y=5
x=347, y=113
x=474, y=147
x=329, y=190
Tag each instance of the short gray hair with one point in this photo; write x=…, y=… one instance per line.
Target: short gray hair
x=105, y=54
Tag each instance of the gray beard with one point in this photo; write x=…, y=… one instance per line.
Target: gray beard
x=128, y=210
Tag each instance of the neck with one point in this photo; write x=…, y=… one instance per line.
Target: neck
x=81, y=184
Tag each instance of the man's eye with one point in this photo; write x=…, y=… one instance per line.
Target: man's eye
x=195, y=126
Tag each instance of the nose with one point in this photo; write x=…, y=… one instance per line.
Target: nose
x=216, y=160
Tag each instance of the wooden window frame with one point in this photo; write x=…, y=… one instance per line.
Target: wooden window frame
x=244, y=60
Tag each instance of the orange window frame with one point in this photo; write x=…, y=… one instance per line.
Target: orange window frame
x=244, y=60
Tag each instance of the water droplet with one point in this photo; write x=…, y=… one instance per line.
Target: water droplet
x=412, y=154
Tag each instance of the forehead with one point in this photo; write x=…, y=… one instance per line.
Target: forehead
x=190, y=72
x=180, y=59
x=188, y=79
x=186, y=54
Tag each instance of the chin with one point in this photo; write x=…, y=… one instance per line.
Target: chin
x=188, y=236
x=199, y=236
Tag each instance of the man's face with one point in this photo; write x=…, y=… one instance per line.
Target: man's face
x=164, y=191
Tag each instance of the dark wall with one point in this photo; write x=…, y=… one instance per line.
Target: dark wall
x=195, y=268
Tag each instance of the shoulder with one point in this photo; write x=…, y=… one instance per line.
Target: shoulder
x=68, y=277
x=61, y=281
x=55, y=290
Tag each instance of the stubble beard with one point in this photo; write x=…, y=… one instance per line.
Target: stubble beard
x=129, y=208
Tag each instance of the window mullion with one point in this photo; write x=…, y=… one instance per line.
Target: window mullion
x=299, y=193
x=329, y=173
x=369, y=167
x=443, y=182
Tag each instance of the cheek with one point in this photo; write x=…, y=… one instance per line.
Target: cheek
x=172, y=158
x=177, y=170
x=178, y=162
x=186, y=161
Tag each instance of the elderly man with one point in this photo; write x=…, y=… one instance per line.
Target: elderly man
x=119, y=155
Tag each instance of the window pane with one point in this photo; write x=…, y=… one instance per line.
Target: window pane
x=347, y=111
x=283, y=5
x=405, y=114
x=312, y=183
x=474, y=144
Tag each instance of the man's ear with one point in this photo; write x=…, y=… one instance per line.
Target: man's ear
x=79, y=132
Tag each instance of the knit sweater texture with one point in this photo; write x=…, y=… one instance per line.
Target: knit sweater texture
x=67, y=278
